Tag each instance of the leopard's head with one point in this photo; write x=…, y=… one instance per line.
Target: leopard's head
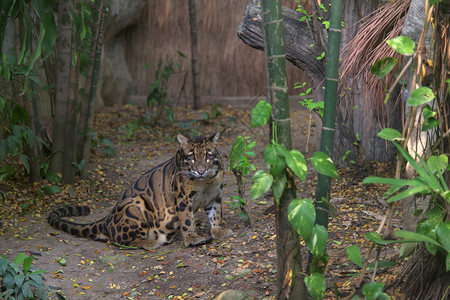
x=198, y=157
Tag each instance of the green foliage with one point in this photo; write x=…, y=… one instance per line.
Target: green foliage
x=355, y=255
x=19, y=281
x=297, y=163
x=427, y=181
x=301, y=212
x=14, y=137
x=420, y=96
x=402, y=44
x=302, y=215
x=240, y=166
x=430, y=118
x=157, y=96
x=239, y=154
x=98, y=140
x=17, y=74
x=433, y=230
x=316, y=285
x=390, y=134
x=261, y=183
x=309, y=103
x=261, y=113
x=213, y=114
x=374, y=290
x=324, y=165
x=128, y=131
x=383, y=66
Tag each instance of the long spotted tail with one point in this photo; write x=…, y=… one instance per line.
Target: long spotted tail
x=95, y=231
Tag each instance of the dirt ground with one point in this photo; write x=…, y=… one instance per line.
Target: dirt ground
x=245, y=262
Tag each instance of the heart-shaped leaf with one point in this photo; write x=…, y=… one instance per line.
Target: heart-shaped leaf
x=261, y=183
x=302, y=215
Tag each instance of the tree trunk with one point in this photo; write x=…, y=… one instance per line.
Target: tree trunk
x=194, y=54
x=329, y=112
x=290, y=280
x=70, y=138
x=62, y=85
x=90, y=88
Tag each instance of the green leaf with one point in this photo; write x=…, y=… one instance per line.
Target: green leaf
x=302, y=215
x=261, y=183
x=61, y=261
x=428, y=112
x=26, y=290
x=36, y=277
x=51, y=189
x=237, y=151
x=38, y=50
x=377, y=239
x=430, y=124
x=261, y=113
x=324, y=165
x=447, y=262
x=443, y=235
x=372, y=290
x=390, y=134
x=381, y=264
x=420, y=96
x=20, y=258
x=402, y=44
x=383, y=66
x=354, y=255
x=19, y=279
x=2, y=149
x=423, y=189
x=297, y=163
x=53, y=177
x=274, y=156
x=25, y=163
x=316, y=285
x=278, y=185
x=317, y=242
x=433, y=2
x=27, y=264
x=410, y=236
x=6, y=171
x=109, y=150
x=438, y=164
x=428, y=228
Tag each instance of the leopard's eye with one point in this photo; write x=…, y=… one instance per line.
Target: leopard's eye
x=190, y=156
x=209, y=156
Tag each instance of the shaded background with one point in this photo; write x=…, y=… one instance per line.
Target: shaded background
x=227, y=67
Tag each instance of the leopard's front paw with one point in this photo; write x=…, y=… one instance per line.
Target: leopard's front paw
x=221, y=233
x=195, y=240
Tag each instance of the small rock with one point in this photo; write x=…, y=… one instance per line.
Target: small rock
x=231, y=295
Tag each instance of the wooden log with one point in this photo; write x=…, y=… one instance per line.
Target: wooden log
x=300, y=46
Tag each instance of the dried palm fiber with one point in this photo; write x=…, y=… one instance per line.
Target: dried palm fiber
x=367, y=47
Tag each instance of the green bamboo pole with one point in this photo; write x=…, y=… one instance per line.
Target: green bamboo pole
x=290, y=281
x=329, y=112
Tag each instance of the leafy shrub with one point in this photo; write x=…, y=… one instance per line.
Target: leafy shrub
x=20, y=282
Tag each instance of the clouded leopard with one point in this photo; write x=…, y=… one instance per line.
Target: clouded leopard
x=161, y=202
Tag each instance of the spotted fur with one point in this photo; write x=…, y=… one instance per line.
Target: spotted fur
x=161, y=202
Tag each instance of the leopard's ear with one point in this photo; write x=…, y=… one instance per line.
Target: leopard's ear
x=183, y=141
x=215, y=138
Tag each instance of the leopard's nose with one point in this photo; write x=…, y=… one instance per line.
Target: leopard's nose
x=201, y=172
